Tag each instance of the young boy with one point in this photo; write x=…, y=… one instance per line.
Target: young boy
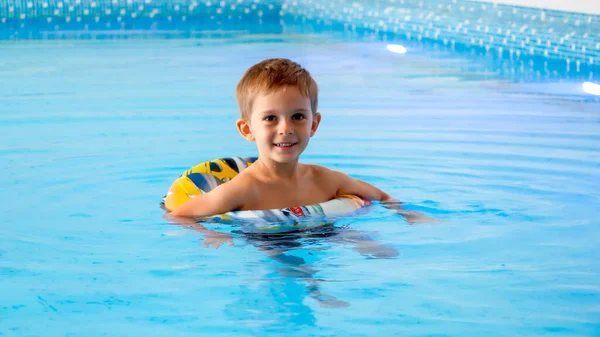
x=278, y=100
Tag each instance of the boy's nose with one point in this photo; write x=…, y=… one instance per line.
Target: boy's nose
x=285, y=128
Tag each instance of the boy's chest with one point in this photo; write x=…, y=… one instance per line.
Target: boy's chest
x=271, y=196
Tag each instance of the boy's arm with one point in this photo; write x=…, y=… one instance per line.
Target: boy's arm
x=223, y=198
x=349, y=185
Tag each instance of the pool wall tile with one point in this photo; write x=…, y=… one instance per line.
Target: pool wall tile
x=504, y=29
x=573, y=37
x=21, y=16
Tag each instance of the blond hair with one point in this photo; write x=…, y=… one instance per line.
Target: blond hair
x=270, y=75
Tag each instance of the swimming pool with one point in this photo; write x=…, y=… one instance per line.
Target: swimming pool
x=94, y=131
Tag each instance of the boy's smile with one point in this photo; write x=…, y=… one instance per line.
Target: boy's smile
x=281, y=123
x=285, y=146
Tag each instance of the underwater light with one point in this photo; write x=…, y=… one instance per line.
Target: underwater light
x=591, y=88
x=396, y=48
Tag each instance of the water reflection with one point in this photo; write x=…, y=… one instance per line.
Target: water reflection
x=299, y=277
x=280, y=247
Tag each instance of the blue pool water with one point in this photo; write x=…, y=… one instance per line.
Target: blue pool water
x=94, y=131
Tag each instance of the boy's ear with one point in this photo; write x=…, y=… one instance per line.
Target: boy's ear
x=243, y=127
x=315, y=123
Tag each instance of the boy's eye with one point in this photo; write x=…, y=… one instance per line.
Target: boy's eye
x=298, y=116
x=269, y=118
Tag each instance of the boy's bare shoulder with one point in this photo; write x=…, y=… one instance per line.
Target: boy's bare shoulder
x=242, y=188
x=322, y=173
x=245, y=180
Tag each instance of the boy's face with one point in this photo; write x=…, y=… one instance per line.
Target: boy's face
x=281, y=123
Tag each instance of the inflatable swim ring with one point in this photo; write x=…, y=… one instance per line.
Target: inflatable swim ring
x=206, y=176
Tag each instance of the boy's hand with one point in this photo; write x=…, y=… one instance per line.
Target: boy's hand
x=416, y=217
x=211, y=237
x=216, y=239
x=409, y=216
x=349, y=185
